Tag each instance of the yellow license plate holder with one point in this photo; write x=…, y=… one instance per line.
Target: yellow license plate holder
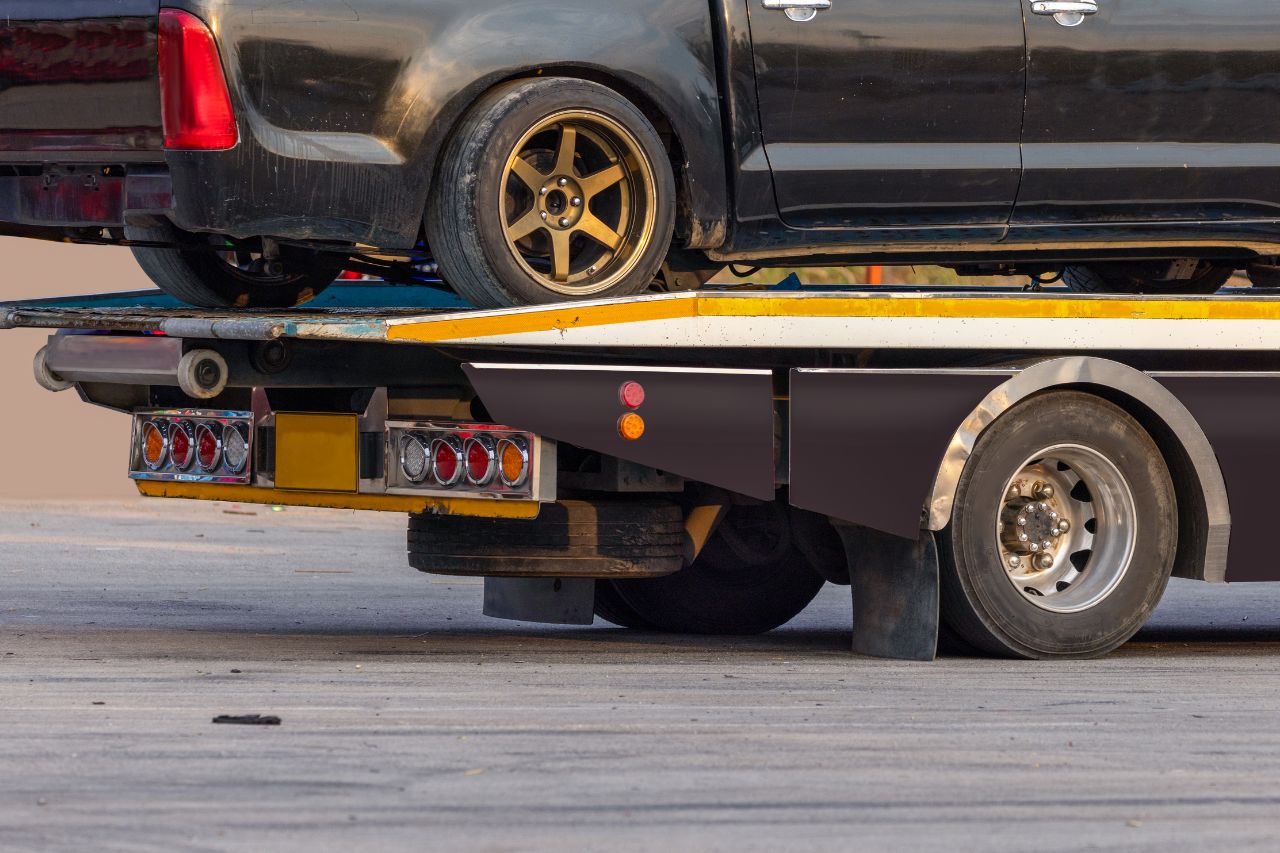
x=317, y=453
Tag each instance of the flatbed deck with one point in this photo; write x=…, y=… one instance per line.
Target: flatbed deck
x=1004, y=319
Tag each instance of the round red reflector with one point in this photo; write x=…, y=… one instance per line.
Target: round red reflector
x=446, y=460
x=632, y=394
x=180, y=439
x=208, y=447
x=482, y=460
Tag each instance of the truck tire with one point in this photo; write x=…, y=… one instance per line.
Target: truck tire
x=1064, y=531
x=749, y=579
x=209, y=279
x=611, y=608
x=569, y=539
x=551, y=190
x=1133, y=278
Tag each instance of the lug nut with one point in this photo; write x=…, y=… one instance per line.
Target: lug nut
x=1022, y=537
x=1015, y=562
x=1015, y=491
x=1045, y=561
x=563, y=182
x=575, y=202
x=1063, y=525
x=564, y=222
x=543, y=191
x=1022, y=521
x=1044, y=507
x=1034, y=547
x=543, y=214
x=1042, y=491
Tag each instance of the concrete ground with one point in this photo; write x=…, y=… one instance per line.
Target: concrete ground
x=411, y=721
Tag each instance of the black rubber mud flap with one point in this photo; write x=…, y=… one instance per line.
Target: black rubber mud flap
x=550, y=601
x=895, y=593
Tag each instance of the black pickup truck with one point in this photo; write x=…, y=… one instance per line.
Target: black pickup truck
x=540, y=150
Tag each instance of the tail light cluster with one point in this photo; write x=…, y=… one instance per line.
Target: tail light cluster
x=193, y=446
x=195, y=103
x=461, y=459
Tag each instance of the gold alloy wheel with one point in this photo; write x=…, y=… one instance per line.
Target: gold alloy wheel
x=577, y=202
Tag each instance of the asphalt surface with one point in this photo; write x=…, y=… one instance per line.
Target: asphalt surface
x=411, y=721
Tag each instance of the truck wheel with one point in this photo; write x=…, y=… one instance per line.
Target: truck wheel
x=551, y=190
x=1137, y=278
x=750, y=578
x=1063, y=533
x=214, y=279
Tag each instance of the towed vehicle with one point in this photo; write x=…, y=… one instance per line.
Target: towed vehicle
x=549, y=150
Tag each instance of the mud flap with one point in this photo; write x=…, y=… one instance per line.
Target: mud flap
x=895, y=593
x=551, y=601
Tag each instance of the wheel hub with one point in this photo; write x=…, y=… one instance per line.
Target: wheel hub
x=1065, y=528
x=560, y=203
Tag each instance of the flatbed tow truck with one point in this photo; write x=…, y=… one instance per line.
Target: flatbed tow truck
x=1023, y=469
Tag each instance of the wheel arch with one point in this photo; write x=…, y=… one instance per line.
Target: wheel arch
x=1204, y=518
x=701, y=215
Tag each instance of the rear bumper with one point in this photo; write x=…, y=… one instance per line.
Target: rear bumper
x=88, y=197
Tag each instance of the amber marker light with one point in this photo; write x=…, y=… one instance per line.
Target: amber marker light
x=513, y=460
x=631, y=426
x=154, y=445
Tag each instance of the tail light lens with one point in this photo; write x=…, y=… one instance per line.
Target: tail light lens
x=415, y=458
x=482, y=460
x=155, y=443
x=446, y=460
x=513, y=461
x=208, y=448
x=235, y=447
x=195, y=102
x=182, y=439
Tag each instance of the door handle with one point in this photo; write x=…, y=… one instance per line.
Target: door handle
x=798, y=10
x=1068, y=13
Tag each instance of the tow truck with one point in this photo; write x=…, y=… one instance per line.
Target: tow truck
x=1024, y=469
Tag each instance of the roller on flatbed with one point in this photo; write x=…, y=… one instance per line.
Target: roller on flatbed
x=1027, y=468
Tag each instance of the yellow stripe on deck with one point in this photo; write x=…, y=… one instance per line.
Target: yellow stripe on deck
x=379, y=503
x=558, y=318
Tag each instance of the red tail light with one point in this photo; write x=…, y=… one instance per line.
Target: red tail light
x=195, y=102
x=482, y=460
x=208, y=447
x=446, y=460
x=180, y=443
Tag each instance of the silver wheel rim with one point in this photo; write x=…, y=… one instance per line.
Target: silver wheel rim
x=1066, y=528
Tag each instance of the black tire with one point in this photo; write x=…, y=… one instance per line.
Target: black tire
x=736, y=586
x=465, y=230
x=204, y=279
x=568, y=539
x=982, y=606
x=611, y=608
x=1137, y=278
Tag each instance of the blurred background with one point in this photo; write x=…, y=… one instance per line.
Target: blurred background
x=53, y=445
